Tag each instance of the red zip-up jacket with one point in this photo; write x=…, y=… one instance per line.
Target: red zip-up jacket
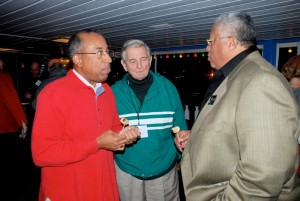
x=11, y=111
x=67, y=121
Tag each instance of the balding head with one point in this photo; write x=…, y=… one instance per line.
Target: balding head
x=53, y=61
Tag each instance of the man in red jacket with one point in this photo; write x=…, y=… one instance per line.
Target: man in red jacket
x=12, y=120
x=77, y=128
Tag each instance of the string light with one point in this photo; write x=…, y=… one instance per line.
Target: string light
x=290, y=50
x=210, y=74
x=180, y=55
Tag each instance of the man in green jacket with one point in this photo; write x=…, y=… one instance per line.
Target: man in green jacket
x=146, y=170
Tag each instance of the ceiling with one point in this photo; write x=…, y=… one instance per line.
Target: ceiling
x=29, y=26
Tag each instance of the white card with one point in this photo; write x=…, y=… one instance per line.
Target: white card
x=143, y=130
x=37, y=83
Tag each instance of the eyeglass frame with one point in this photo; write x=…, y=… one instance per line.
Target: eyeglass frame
x=210, y=41
x=100, y=53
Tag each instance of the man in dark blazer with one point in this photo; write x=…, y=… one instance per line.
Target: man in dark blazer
x=243, y=146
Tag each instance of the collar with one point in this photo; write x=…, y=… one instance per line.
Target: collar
x=229, y=66
x=98, y=86
x=139, y=84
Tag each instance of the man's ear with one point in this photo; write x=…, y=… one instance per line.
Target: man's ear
x=124, y=65
x=77, y=60
x=233, y=42
x=150, y=60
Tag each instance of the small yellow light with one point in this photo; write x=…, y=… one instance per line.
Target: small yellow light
x=290, y=50
x=61, y=40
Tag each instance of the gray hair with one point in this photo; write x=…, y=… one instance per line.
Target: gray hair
x=238, y=24
x=134, y=43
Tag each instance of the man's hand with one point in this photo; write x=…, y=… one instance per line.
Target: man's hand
x=181, y=138
x=131, y=133
x=110, y=140
x=28, y=95
x=24, y=130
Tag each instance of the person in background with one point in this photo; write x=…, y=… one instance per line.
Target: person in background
x=77, y=127
x=12, y=114
x=13, y=125
x=291, y=71
x=146, y=170
x=51, y=62
x=1, y=65
x=56, y=70
x=243, y=145
x=32, y=82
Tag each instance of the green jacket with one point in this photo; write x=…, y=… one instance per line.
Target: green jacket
x=155, y=155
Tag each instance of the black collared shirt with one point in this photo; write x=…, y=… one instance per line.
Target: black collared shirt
x=223, y=72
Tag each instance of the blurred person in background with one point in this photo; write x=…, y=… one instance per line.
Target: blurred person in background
x=32, y=82
x=291, y=71
x=1, y=65
x=13, y=126
x=56, y=70
x=12, y=114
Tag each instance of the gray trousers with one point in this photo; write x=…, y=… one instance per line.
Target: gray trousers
x=164, y=188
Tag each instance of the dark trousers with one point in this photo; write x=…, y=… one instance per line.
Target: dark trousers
x=11, y=165
x=19, y=177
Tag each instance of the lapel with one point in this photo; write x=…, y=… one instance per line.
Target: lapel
x=219, y=93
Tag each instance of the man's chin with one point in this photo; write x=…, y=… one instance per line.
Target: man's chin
x=103, y=78
x=106, y=71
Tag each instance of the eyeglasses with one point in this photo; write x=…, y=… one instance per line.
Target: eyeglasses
x=100, y=53
x=211, y=41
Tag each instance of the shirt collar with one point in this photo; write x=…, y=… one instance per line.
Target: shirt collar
x=229, y=66
x=98, y=85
